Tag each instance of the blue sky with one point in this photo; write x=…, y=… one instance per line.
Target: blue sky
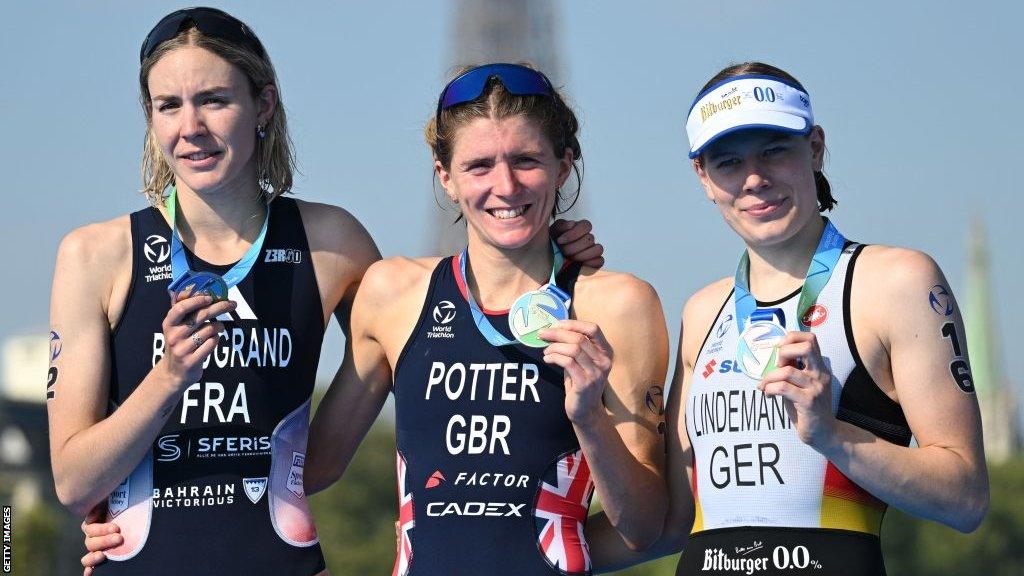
x=919, y=102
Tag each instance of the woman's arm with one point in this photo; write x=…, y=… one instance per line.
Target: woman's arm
x=383, y=314
x=355, y=397
x=607, y=549
x=614, y=376
x=944, y=478
x=91, y=453
x=342, y=252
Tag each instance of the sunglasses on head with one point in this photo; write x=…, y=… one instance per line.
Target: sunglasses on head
x=209, y=21
x=468, y=86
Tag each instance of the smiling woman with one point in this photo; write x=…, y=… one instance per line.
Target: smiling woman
x=519, y=382
x=522, y=100
x=492, y=158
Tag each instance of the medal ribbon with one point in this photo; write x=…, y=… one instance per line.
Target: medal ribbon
x=179, y=263
x=826, y=255
x=483, y=324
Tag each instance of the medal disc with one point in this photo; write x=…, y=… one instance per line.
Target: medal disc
x=195, y=283
x=757, y=347
x=533, y=312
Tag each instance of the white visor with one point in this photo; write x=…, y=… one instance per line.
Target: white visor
x=743, y=102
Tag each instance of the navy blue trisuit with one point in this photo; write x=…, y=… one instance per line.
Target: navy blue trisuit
x=491, y=477
x=220, y=491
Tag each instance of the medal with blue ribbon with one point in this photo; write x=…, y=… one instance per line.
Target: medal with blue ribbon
x=186, y=282
x=529, y=314
x=761, y=330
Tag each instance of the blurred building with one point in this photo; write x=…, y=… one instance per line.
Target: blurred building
x=25, y=474
x=24, y=444
x=483, y=31
x=999, y=403
x=506, y=31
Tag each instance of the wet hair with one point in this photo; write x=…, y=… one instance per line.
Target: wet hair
x=825, y=199
x=275, y=161
x=556, y=119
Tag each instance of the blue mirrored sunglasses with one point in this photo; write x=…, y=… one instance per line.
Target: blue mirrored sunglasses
x=518, y=80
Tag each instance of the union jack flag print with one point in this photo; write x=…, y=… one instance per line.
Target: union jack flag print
x=561, y=512
x=405, y=521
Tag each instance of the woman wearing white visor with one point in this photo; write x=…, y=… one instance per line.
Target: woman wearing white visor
x=802, y=378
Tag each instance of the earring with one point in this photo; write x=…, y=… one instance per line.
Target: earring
x=260, y=131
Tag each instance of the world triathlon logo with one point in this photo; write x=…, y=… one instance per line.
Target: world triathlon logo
x=55, y=345
x=156, y=249
x=940, y=300
x=444, y=312
x=724, y=327
x=654, y=400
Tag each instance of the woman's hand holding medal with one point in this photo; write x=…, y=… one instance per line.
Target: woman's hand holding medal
x=581, y=349
x=802, y=377
x=800, y=374
x=190, y=335
x=197, y=299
